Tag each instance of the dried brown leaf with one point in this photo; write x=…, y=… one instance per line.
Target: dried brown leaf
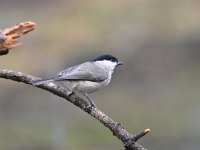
x=8, y=36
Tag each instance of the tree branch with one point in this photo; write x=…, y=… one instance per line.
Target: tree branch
x=129, y=140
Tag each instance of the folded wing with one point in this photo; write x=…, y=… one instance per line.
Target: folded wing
x=86, y=71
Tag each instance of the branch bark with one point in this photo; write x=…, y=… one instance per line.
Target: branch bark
x=128, y=139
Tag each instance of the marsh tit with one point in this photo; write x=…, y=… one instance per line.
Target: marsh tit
x=87, y=77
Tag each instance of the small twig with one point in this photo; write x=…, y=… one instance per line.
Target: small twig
x=130, y=145
x=141, y=134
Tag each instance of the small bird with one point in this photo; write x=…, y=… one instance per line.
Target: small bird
x=87, y=77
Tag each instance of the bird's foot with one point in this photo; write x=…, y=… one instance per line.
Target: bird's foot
x=70, y=93
x=90, y=105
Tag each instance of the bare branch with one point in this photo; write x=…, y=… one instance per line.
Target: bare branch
x=128, y=139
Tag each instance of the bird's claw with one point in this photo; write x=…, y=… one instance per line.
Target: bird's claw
x=90, y=105
x=70, y=93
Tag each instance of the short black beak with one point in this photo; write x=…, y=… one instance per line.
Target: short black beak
x=120, y=63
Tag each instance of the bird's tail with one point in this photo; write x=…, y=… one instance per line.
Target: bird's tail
x=39, y=82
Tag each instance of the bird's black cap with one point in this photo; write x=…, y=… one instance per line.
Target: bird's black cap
x=106, y=57
x=110, y=58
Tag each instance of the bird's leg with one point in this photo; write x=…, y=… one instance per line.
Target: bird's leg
x=91, y=103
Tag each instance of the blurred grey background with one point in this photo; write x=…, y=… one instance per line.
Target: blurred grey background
x=157, y=88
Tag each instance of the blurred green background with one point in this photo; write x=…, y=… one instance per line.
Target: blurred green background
x=157, y=88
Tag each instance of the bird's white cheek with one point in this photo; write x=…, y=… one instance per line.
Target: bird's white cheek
x=112, y=67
